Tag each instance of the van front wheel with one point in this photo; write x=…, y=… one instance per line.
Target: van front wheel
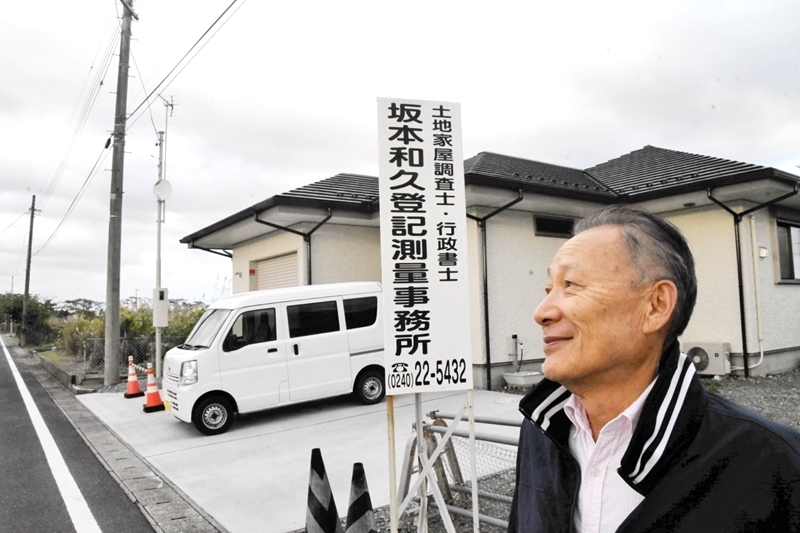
x=370, y=388
x=213, y=415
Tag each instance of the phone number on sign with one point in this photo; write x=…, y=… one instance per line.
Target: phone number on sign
x=451, y=371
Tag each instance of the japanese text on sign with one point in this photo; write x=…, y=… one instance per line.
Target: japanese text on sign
x=423, y=246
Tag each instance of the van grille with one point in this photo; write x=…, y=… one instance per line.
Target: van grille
x=173, y=398
x=169, y=376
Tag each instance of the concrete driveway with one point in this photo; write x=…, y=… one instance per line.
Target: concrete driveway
x=255, y=476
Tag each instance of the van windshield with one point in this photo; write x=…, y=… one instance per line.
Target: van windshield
x=206, y=329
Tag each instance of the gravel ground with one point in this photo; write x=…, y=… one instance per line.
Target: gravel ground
x=775, y=397
x=122, y=387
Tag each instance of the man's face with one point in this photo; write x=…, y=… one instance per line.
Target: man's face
x=592, y=316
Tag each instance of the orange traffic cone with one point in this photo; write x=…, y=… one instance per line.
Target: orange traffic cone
x=153, y=398
x=134, y=391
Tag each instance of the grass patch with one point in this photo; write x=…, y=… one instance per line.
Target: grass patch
x=712, y=385
x=54, y=356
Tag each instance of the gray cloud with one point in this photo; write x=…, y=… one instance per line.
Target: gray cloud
x=284, y=95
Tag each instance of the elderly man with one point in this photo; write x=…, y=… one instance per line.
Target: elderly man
x=621, y=436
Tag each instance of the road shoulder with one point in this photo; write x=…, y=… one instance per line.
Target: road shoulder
x=165, y=506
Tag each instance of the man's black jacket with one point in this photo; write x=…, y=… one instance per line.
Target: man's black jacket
x=702, y=463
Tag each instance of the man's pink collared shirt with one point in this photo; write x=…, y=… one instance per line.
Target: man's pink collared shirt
x=604, y=499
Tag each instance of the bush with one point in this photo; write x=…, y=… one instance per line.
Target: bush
x=75, y=331
x=38, y=329
x=134, y=323
x=181, y=323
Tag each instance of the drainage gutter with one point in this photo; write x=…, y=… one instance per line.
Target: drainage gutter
x=482, y=224
x=306, y=236
x=737, y=218
x=223, y=253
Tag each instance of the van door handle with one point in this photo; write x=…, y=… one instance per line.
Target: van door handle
x=296, y=351
x=272, y=350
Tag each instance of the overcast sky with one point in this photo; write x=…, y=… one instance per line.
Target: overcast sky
x=284, y=95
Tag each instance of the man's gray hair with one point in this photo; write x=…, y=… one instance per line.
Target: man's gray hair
x=656, y=250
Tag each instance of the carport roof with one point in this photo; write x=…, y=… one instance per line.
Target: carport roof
x=641, y=175
x=350, y=192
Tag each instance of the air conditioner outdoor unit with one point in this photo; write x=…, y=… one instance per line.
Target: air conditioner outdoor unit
x=709, y=358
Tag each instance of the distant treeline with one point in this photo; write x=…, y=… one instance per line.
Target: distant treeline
x=67, y=324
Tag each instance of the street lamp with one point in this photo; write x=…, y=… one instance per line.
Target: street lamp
x=162, y=189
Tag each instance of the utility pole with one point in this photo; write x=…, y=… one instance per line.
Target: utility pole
x=111, y=357
x=162, y=190
x=23, y=331
x=157, y=299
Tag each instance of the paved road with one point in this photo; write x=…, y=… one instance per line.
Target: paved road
x=49, y=479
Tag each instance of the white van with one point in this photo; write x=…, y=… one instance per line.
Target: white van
x=262, y=349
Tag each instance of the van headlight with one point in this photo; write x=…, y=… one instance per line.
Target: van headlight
x=188, y=373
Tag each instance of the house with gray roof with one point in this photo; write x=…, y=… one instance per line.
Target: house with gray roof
x=742, y=222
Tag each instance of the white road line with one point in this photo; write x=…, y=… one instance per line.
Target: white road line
x=78, y=509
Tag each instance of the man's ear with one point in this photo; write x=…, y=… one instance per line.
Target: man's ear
x=660, y=306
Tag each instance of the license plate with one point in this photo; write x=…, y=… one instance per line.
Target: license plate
x=167, y=405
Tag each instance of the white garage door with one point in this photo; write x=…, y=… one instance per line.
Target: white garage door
x=278, y=272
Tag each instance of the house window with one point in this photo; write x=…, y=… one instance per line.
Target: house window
x=553, y=227
x=789, y=250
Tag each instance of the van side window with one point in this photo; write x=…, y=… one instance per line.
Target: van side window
x=251, y=327
x=312, y=319
x=360, y=312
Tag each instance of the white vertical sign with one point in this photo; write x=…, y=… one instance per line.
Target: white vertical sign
x=424, y=246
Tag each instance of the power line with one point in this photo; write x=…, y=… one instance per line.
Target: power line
x=21, y=250
x=147, y=98
x=85, y=111
x=92, y=174
x=17, y=220
x=136, y=65
x=89, y=103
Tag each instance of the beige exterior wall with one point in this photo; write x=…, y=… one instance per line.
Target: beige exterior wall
x=517, y=264
x=779, y=302
x=274, y=244
x=345, y=253
x=338, y=253
x=709, y=232
x=716, y=317
x=475, y=296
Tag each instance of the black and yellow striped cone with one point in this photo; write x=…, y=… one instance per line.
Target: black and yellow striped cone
x=360, y=516
x=321, y=515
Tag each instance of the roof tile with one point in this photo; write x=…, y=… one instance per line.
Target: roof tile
x=341, y=190
x=522, y=172
x=650, y=169
x=646, y=173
